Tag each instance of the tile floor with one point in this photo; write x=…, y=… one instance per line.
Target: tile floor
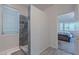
x=71, y=47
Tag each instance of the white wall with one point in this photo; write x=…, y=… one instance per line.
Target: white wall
x=52, y=24
x=39, y=31
x=12, y=40
x=77, y=18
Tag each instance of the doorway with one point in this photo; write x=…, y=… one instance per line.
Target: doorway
x=67, y=32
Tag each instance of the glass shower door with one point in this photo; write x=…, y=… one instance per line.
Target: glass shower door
x=23, y=40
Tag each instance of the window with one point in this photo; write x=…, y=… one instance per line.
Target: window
x=10, y=21
x=61, y=26
x=66, y=27
x=72, y=27
x=77, y=26
x=69, y=26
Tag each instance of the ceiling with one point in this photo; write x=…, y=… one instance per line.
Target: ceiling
x=40, y=6
x=43, y=6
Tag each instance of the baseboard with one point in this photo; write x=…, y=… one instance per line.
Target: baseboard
x=44, y=50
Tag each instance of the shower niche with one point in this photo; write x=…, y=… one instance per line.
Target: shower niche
x=23, y=36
